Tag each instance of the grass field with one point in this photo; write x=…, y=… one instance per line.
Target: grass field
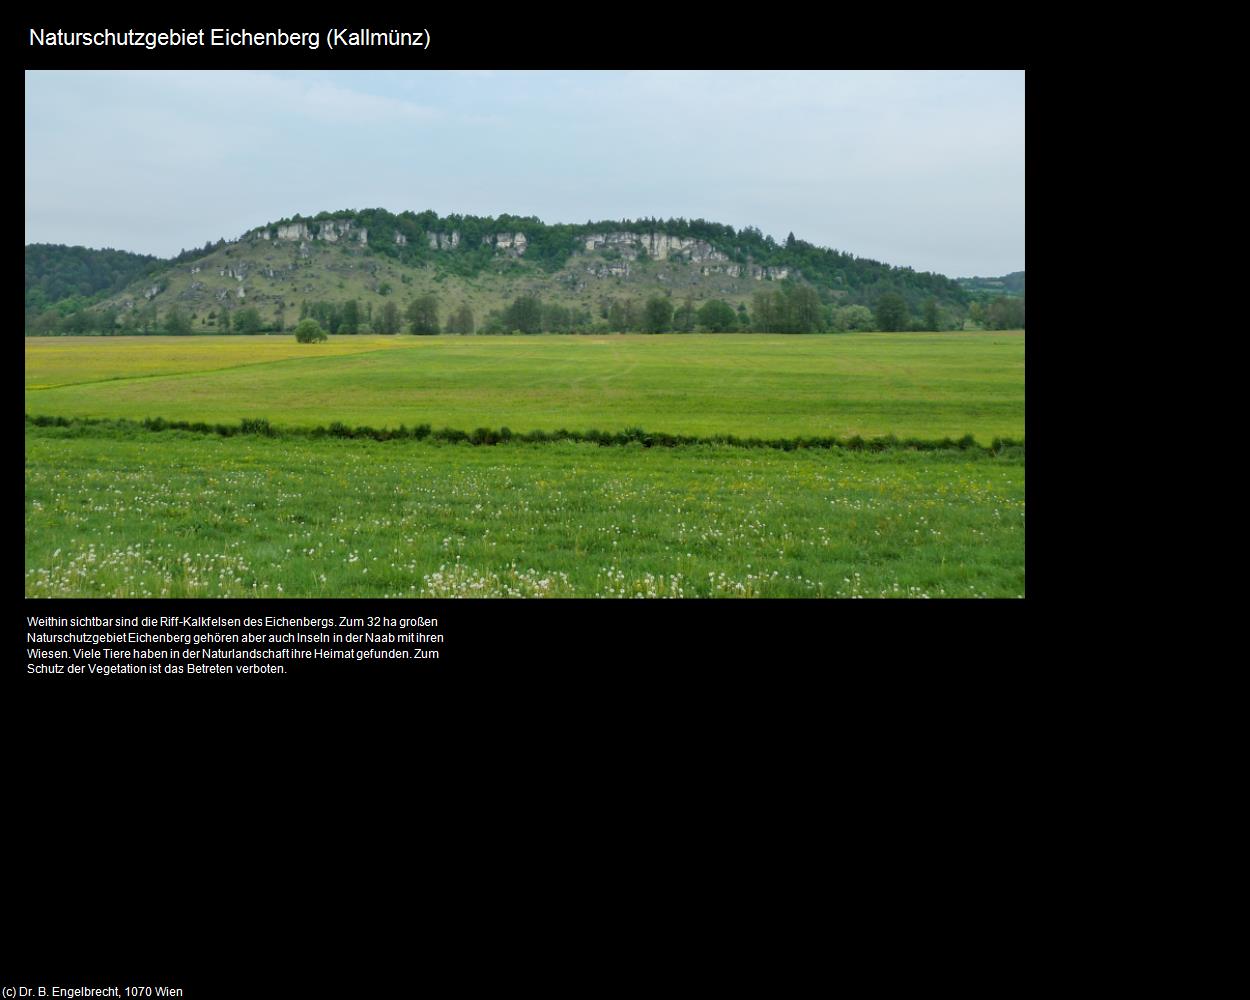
x=174, y=514
x=117, y=511
x=910, y=385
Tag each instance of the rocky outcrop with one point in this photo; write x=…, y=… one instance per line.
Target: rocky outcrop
x=659, y=246
x=614, y=269
x=769, y=273
x=401, y=240
x=294, y=231
x=152, y=292
x=331, y=230
x=439, y=241
x=513, y=244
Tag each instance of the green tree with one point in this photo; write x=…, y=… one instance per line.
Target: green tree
x=309, y=331
x=107, y=320
x=77, y=323
x=684, y=316
x=801, y=308
x=657, y=315
x=177, y=322
x=620, y=316
x=423, y=315
x=766, y=312
x=718, y=316
x=1006, y=313
x=461, y=321
x=525, y=314
x=931, y=313
x=388, y=320
x=247, y=320
x=853, y=318
x=350, y=322
x=892, y=312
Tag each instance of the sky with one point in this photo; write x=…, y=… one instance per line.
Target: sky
x=914, y=168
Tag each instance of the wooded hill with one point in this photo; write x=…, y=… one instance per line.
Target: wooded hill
x=376, y=271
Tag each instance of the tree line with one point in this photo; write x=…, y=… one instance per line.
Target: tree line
x=791, y=308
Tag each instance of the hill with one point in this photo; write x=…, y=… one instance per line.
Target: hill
x=55, y=273
x=1008, y=284
x=349, y=268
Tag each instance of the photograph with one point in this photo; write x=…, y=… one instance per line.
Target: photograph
x=524, y=333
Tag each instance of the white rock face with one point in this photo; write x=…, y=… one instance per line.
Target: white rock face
x=332, y=230
x=294, y=231
x=443, y=241
x=401, y=240
x=513, y=243
x=659, y=246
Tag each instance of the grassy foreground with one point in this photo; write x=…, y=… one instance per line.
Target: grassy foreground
x=927, y=386
x=173, y=514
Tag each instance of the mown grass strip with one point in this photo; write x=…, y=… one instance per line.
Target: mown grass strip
x=489, y=436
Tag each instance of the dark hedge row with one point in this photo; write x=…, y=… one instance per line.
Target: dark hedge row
x=488, y=436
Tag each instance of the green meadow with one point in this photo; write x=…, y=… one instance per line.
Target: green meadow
x=911, y=385
x=116, y=510
x=175, y=514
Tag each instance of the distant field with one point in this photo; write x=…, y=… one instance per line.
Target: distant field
x=918, y=385
x=173, y=514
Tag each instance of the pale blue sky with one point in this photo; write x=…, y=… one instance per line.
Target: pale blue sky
x=918, y=168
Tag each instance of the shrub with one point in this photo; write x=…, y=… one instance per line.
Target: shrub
x=309, y=332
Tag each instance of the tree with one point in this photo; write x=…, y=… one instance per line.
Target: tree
x=107, y=320
x=852, y=318
x=423, y=315
x=309, y=331
x=350, y=322
x=461, y=321
x=930, y=313
x=718, y=317
x=1006, y=313
x=177, y=322
x=684, y=316
x=525, y=314
x=657, y=315
x=802, y=313
x=765, y=312
x=247, y=320
x=388, y=320
x=621, y=315
x=892, y=312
